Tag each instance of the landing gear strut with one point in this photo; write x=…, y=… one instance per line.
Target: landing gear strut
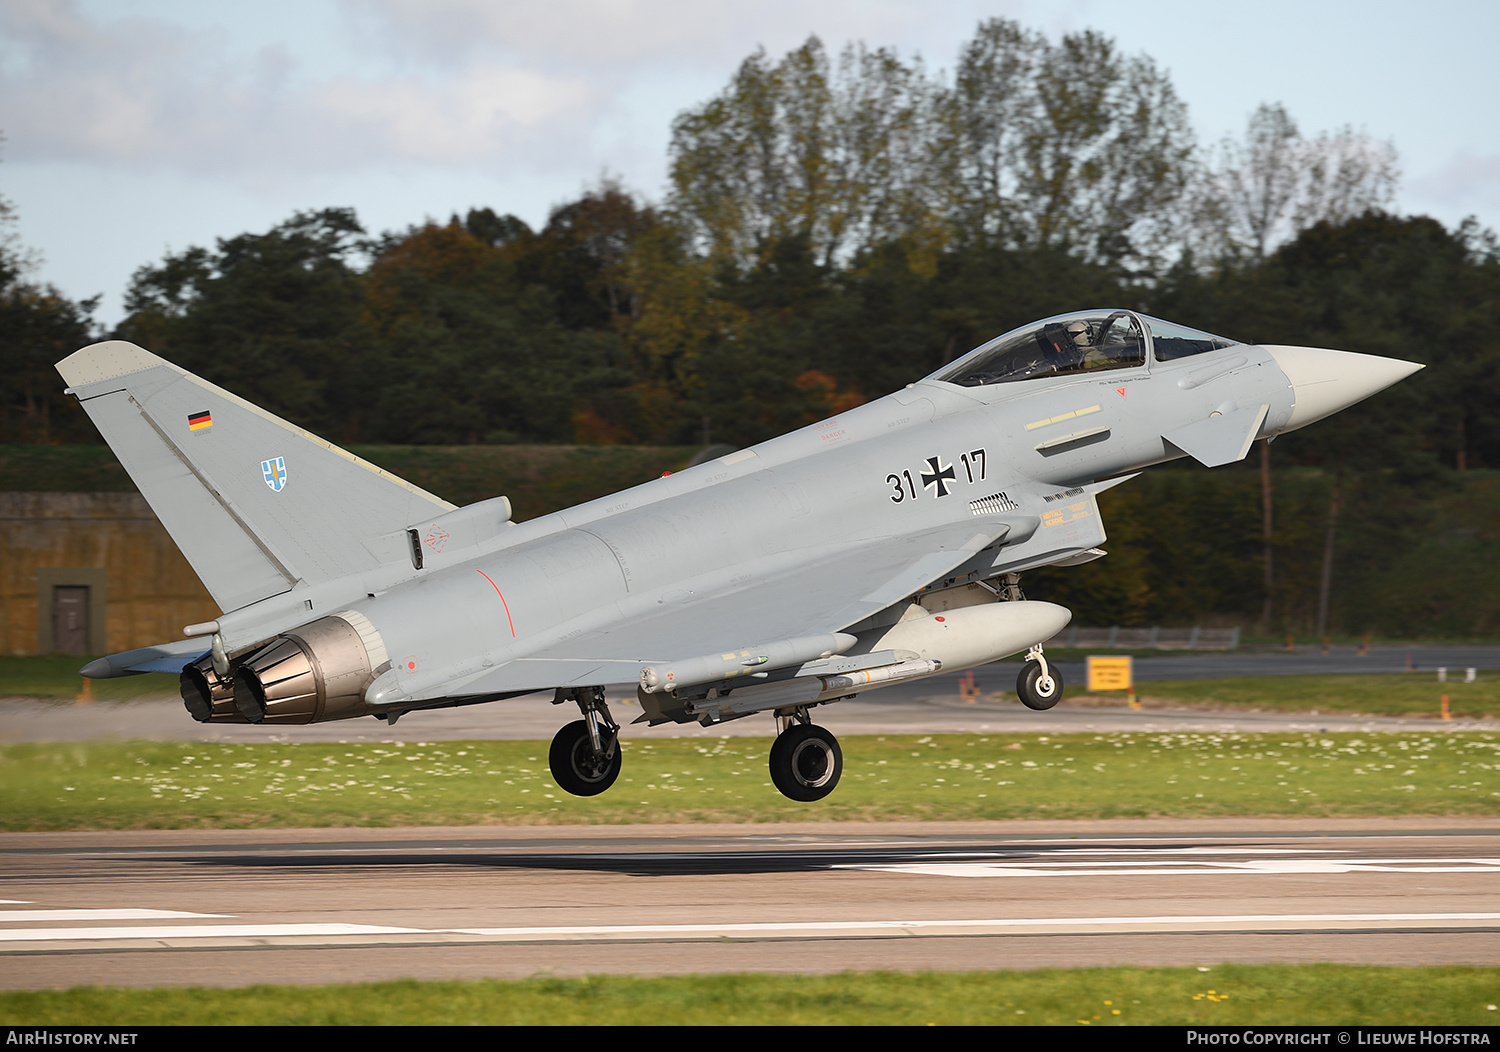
x=1039, y=685
x=585, y=755
x=806, y=760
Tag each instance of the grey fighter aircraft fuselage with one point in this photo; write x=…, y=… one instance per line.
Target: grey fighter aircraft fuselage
x=869, y=548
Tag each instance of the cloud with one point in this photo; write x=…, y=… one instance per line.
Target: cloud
x=142, y=93
x=1464, y=183
x=540, y=87
x=466, y=119
x=615, y=35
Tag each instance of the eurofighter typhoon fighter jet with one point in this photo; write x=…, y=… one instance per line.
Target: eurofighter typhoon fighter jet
x=881, y=545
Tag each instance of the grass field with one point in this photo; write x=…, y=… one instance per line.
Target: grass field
x=1400, y=694
x=56, y=677
x=1320, y=994
x=949, y=777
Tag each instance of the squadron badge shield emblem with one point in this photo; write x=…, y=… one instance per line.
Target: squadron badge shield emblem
x=275, y=472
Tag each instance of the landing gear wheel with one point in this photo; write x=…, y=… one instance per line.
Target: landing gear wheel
x=1034, y=691
x=806, y=762
x=575, y=766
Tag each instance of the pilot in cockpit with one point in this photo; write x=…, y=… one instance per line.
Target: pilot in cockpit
x=1088, y=354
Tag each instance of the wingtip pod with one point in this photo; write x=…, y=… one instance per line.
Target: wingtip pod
x=1326, y=381
x=99, y=668
x=105, y=361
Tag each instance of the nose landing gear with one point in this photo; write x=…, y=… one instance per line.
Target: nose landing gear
x=806, y=760
x=1039, y=685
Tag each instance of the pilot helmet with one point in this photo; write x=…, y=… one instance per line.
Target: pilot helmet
x=1079, y=331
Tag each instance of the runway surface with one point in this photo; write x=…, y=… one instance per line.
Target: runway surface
x=536, y=719
x=922, y=707
x=314, y=906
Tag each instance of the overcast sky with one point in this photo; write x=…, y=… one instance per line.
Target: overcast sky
x=134, y=127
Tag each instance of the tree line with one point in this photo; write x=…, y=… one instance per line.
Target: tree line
x=836, y=227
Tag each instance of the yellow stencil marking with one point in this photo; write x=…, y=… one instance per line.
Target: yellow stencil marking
x=1063, y=516
x=1062, y=417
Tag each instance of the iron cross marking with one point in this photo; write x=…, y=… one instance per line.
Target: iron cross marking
x=938, y=480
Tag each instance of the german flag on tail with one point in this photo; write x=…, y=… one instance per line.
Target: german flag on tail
x=200, y=421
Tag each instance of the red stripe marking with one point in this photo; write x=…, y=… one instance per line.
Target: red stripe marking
x=503, y=603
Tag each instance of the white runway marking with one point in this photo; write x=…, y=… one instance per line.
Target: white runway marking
x=1157, y=852
x=1179, y=866
x=39, y=916
x=823, y=929
x=201, y=931
x=260, y=934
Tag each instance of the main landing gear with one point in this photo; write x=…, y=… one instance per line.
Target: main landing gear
x=585, y=755
x=806, y=760
x=1039, y=684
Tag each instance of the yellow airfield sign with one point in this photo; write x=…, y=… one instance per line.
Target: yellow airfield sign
x=1111, y=673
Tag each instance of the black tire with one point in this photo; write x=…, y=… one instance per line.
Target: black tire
x=806, y=762
x=1031, y=695
x=574, y=766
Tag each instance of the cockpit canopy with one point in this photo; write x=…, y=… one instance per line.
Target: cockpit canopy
x=1090, y=341
x=1169, y=342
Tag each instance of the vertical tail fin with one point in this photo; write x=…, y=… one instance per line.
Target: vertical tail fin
x=256, y=504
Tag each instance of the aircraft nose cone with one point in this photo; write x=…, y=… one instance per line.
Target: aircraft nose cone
x=1324, y=381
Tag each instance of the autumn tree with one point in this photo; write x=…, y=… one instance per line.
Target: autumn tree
x=273, y=317
x=470, y=350
x=1273, y=184
x=806, y=148
x=1069, y=145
